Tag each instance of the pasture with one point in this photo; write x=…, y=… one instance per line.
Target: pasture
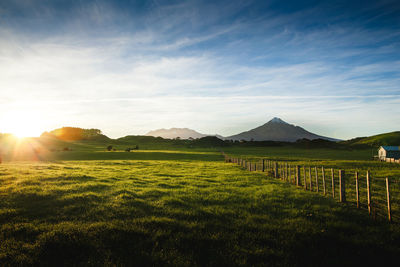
x=351, y=161
x=175, y=208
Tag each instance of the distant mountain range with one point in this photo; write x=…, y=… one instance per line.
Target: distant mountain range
x=183, y=133
x=274, y=130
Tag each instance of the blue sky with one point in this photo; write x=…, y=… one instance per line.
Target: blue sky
x=128, y=67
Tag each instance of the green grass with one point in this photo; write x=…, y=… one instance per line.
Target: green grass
x=386, y=139
x=136, y=154
x=175, y=208
x=294, y=153
x=349, y=161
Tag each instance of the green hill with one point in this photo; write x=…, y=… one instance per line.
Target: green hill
x=386, y=139
x=76, y=134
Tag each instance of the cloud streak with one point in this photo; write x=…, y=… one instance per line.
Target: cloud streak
x=191, y=65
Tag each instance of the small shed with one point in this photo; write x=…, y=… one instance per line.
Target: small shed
x=389, y=152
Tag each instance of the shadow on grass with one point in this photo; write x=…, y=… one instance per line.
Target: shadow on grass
x=258, y=221
x=151, y=155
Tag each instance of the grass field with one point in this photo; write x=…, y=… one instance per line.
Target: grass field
x=295, y=153
x=350, y=161
x=176, y=208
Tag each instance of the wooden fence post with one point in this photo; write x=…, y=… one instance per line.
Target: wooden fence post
x=357, y=191
x=293, y=172
x=369, y=192
x=342, y=185
x=388, y=200
x=287, y=172
x=333, y=183
x=309, y=175
x=323, y=180
x=283, y=171
x=316, y=179
x=298, y=181
x=263, y=165
x=305, y=181
x=276, y=170
x=280, y=170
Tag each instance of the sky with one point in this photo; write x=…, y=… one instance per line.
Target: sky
x=128, y=67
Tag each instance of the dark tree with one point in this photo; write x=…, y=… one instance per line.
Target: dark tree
x=109, y=148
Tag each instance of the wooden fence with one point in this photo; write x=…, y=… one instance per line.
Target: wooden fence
x=329, y=182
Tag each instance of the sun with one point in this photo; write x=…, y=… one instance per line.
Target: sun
x=21, y=123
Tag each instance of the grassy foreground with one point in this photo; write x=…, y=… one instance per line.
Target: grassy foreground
x=176, y=212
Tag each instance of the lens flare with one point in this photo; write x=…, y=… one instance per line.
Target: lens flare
x=21, y=123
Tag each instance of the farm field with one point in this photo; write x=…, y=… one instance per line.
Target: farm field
x=176, y=208
x=295, y=153
x=351, y=161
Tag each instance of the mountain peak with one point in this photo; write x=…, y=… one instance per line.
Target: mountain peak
x=277, y=120
x=277, y=130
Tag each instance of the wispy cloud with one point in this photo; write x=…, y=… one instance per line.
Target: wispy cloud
x=192, y=65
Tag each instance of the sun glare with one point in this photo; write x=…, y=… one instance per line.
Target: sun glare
x=21, y=124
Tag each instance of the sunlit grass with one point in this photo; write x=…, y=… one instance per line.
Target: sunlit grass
x=174, y=212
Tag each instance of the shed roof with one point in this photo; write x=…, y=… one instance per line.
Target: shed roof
x=391, y=148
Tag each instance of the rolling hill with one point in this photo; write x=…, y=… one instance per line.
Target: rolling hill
x=386, y=139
